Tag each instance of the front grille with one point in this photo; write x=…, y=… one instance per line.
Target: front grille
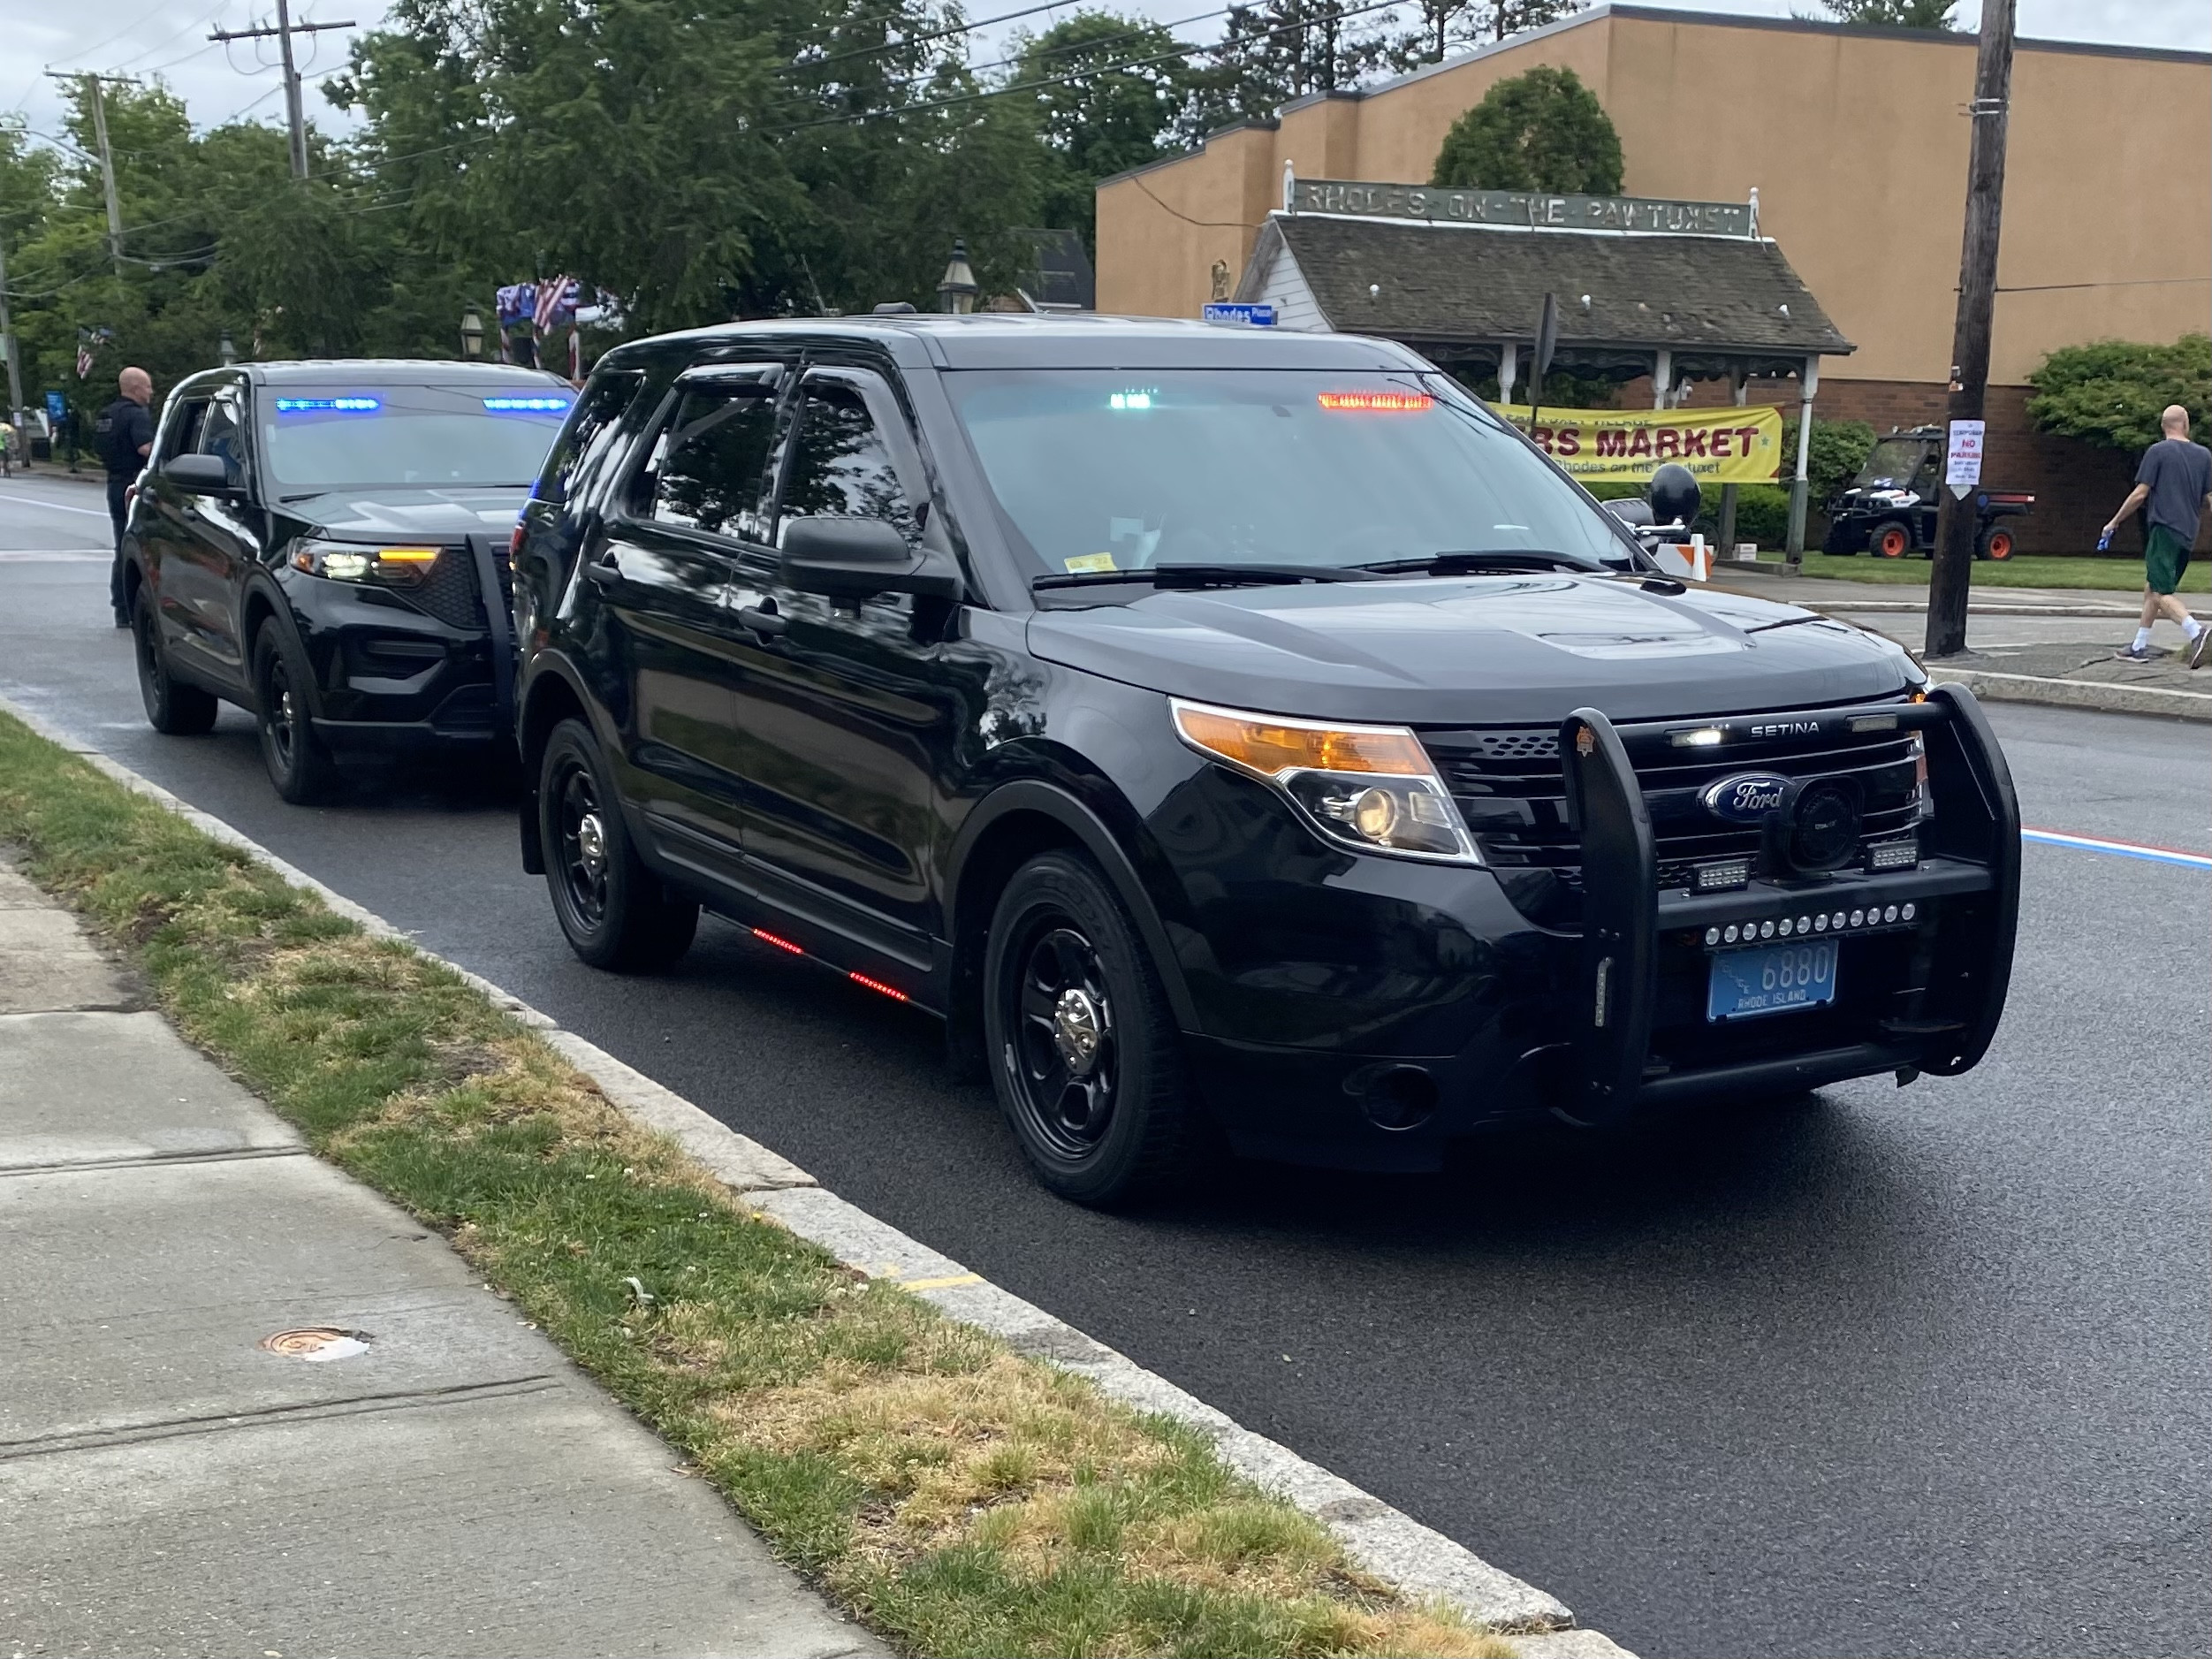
x=449, y=591
x=1509, y=787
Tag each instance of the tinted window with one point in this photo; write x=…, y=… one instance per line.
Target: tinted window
x=583, y=443
x=223, y=435
x=710, y=466
x=841, y=466
x=182, y=436
x=338, y=436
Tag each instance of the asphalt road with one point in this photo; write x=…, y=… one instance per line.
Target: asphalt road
x=1917, y=1372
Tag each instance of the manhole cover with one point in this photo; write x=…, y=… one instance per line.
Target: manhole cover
x=317, y=1342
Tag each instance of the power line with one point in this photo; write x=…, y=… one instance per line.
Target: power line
x=283, y=30
x=159, y=7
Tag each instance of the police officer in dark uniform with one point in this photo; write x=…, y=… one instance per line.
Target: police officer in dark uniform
x=124, y=435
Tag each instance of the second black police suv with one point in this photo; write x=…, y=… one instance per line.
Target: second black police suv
x=316, y=542
x=1228, y=732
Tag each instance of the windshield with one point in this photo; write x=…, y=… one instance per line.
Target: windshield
x=1103, y=470
x=1892, y=464
x=342, y=437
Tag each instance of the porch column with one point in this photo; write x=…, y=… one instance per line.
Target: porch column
x=1663, y=378
x=1794, y=559
x=1508, y=372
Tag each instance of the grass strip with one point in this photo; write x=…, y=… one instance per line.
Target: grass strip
x=958, y=1497
x=2022, y=570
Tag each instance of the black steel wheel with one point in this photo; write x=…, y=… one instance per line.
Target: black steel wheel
x=172, y=707
x=1087, y=1061
x=298, y=764
x=613, y=911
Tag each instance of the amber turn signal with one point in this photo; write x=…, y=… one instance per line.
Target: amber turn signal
x=1273, y=747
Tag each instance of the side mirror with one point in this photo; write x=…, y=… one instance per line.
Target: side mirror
x=1629, y=510
x=200, y=475
x=852, y=558
x=1674, y=495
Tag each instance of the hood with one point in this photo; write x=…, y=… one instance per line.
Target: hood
x=373, y=515
x=1507, y=650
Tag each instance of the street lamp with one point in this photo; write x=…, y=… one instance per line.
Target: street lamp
x=472, y=334
x=956, y=292
x=227, y=349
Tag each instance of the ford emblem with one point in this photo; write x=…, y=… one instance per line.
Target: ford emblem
x=1746, y=798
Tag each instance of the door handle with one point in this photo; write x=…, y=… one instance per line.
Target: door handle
x=767, y=624
x=602, y=571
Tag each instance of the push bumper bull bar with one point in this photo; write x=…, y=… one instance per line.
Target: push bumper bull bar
x=1970, y=851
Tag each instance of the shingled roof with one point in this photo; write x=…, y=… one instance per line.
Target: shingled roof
x=1448, y=283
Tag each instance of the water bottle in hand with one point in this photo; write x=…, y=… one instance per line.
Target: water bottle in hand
x=2104, y=543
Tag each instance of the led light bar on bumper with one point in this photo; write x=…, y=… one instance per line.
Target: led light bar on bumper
x=361, y=562
x=1372, y=788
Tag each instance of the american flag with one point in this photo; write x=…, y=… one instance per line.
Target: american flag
x=550, y=295
x=84, y=360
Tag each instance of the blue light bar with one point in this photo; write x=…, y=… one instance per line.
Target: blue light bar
x=344, y=405
x=527, y=406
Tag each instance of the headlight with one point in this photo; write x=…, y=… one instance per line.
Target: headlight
x=1369, y=787
x=359, y=561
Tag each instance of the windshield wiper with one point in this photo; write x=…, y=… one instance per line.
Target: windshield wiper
x=1186, y=576
x=1472, y=562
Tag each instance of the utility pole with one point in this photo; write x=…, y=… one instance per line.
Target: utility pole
x=107, y=158
x=7, y=341
x=1955, y=518
x=284, y=29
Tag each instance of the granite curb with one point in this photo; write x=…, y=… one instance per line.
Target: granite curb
x=1423, y=1563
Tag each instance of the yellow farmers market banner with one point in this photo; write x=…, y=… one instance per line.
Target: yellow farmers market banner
x=1723, y=445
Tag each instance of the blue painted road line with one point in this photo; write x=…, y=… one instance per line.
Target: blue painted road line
x=2125, y=849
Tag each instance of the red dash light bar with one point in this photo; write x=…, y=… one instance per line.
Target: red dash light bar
x=892, y=992
x=1378, y=402
x=780, y=943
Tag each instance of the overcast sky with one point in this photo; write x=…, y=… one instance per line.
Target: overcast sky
x=218, y=83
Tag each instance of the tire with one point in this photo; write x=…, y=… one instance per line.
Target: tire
x=1891, y=539
x=172, y=707
x=1995, y=543
x=1086, y=1058
x=299, y=766
x=615, y=913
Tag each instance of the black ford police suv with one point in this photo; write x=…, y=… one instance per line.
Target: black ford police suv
x=315, y=541
x=1228, y=731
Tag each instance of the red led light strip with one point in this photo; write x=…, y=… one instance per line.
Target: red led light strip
x=1378, y=402
x=892, y=992
x=877, y=986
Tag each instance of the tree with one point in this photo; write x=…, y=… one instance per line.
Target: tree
x=1276, y=51
x=1891, y=14
x=2112, y=392
x=1543, y=130
x=1444, y=24
x=1106, y=119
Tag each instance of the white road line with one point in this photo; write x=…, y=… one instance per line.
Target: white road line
x=63, y=556
x=56, y=506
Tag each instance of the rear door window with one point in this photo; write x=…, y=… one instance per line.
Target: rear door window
x=708, y=471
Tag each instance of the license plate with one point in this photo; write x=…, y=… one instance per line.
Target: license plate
x=1772, y=979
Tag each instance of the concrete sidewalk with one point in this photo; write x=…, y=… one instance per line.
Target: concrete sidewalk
x=171, y=1481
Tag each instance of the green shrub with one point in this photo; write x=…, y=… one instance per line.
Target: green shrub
x=2112, y=392
x=1540, y=131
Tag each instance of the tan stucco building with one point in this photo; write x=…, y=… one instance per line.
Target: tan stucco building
x=1856, y=140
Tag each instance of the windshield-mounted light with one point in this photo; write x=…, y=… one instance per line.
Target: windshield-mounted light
x=526, y=405
x=328, y=405
x=1373, y=787
x=1378, y=402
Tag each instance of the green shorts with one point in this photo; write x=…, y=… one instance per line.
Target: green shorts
x=2165, y=556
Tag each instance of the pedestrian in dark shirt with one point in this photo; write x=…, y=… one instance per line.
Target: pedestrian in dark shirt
x=124, y=435
x=2172, y=486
